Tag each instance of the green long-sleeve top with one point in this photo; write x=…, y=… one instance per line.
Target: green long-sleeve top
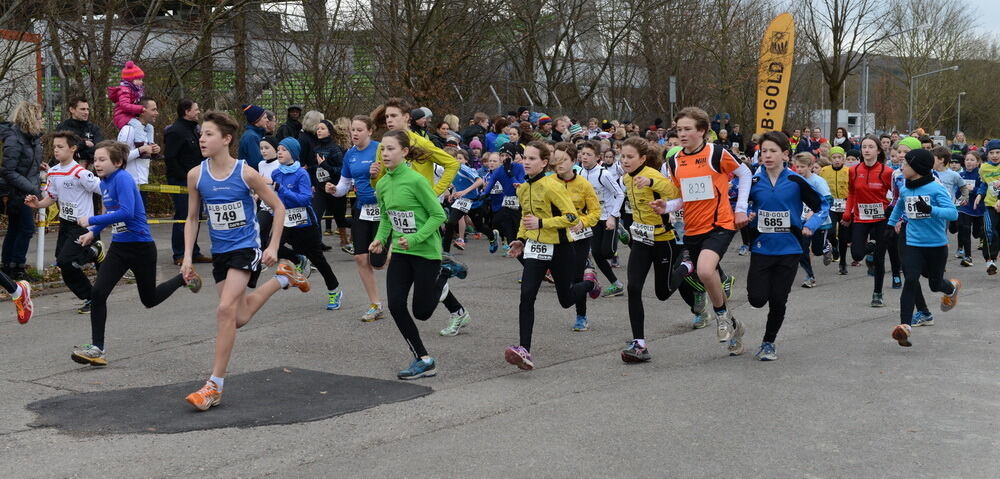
x=409, y=209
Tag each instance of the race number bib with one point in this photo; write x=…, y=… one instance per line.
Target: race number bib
x=69, y=211
x=871, y=211
x=970, y=184
x=697, y=189
x=511, y=202
x=118, y=228
x=497, y=189
x=839, y=205
x=296, y=217
x=583, y=234
x=322, y=175
x=540, y=251
x=911, y=207
x=370, y=212
x=403, y=222
x=642, y=233
x=226, y=216
x=462, y=204
x=774, y=221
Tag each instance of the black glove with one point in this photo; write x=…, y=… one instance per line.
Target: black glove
x=922, y=206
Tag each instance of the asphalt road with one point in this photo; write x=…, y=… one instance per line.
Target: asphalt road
x=843, y=400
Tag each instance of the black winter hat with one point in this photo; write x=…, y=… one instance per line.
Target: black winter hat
x=921, y=161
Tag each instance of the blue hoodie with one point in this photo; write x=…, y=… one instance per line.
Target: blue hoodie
x=973, y=181
x=781, y=204
x=295, y=191
x=925, y=230
x=506, y=181
x=124, y=209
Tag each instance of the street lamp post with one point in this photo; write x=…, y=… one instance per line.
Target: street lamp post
x=913, y=81
x=958, y=120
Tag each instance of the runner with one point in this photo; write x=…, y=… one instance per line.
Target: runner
x=970, y=215
x=365, y=213
x=701, y=170
x=502, y=185
x=780, y=233
x=817, y=242
x=928, y=206
x=20, y=295
x=609, y=191
x=73, y=188
x=865, y=211
x=465, y=201
x=837, y=178
x=132, y=248
x=395, y=115
x=543, y=237
x=989, y=190
x=581, y=192
x=236, y=253
x=410, y=220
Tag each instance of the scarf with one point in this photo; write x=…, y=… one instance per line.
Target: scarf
x=289, y=169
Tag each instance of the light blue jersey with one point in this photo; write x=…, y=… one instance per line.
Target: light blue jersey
x=232, y=218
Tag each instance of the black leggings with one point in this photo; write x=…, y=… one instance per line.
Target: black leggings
x=969, y=227
x=991, y=233
x=7, y=283
x=568, y=292
x=70, y=258
x=815, y=244
x=928, y=262
x=581, y=250
x=603, y=246
x=860, y=232
x=506, y=220
x=840, y=236
x=769, y=281
x=408, y=271
x=451, y=226
x=305, y=241
x=325, y=203
x=642, y=257
x=140, y=257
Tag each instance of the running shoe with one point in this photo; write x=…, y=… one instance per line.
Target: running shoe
x=635, y=353
x=699, y=302
x=295, y=278
x=99, y=251
x=735, y=346
x=303, y=266
x=518, y=356
x=548, y=277
x=505, y=248
x=347, y=248
x=727, y=286
x=614, y=261
x=85, y=308
x=613, y=289
x=328, y=233
x=922, y=318
x=459, y=243
x=897, y=282
x=595, y=292
x=843, y=270
x=89, y=354
x=835, y=254
x=419, y=368
x=810, y=282
x=967, y=261
x=333, y=299
x=209, y=395
x=194, y=284
x=724, y=330
x=454, y=268
x=495, y=242
x=949, y=301
x=374, y=313
x=960, y=253
x=766, y=352
x=877, y=300
x=580, y=324
x=901, y=333
x=744, y=250
x=700, y=321
x=991, y=268
x=827, y=255
x=459, y=320
x=25, y=308
x=129, y=276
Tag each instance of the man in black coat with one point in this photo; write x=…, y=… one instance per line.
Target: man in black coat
x=293, y=124
x=79, y=123
x=181, y=152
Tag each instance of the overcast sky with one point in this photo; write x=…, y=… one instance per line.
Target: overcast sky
x=987, y=13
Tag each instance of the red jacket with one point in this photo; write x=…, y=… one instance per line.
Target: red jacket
x=867, y=186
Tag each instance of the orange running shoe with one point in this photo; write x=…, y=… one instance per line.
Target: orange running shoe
x=23, y=304
x=949, y=301
x=295, y=278
x=209, y=395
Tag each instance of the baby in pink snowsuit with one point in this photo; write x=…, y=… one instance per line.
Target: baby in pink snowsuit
x=126, y=95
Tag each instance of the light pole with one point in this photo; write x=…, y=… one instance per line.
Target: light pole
x=913, y=81
x=958, y=121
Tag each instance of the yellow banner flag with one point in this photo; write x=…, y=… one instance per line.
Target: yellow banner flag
x=777, y=52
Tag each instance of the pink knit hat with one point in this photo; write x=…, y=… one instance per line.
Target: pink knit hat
x=132, y=72
x=475, y=143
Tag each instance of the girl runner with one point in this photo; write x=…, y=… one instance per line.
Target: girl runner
x=502, y=186
x=836, y=176
x=223, y=186
x=609, y=191
x=411, y=216
x=970, y=215
x=132, y=248
x=585, y=200
x=778, y=230
x=547, y=214
x=365, y=214
x=816, y=242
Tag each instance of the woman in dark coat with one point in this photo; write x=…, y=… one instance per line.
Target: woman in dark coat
x=19, y=177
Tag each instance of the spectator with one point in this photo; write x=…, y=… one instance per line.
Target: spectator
x=181, y=152
x=959, y=145
x=249, y=149
x=545, y=128
x=79, y=123
x=292, y=125
x=842, y=139
x=441, y=134
x=419, y=119
x=523, y=115
x=499, y=124
x=736, y=138
x=810, y=144
x=137, y=136
x=19, y=177
x=272, y=122
x=478, y=129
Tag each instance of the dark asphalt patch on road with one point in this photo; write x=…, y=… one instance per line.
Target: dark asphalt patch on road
x=261, y=398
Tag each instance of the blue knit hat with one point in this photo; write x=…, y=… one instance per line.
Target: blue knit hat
x=993, y=145
x=293, y=147
x=252, y=113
